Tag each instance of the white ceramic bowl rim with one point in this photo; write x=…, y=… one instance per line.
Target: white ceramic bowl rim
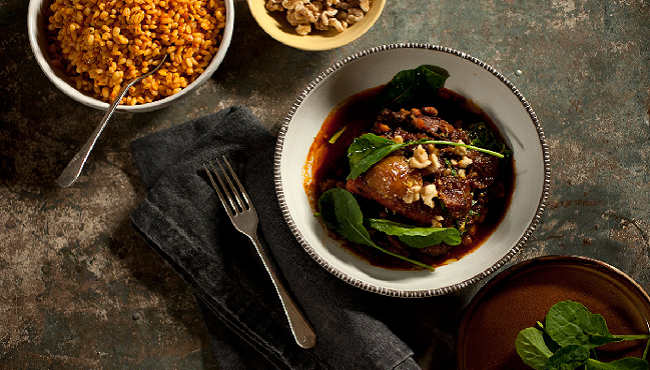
x=44, y=62
x=406, y=292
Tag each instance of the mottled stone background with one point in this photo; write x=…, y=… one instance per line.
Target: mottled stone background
x=80, y=290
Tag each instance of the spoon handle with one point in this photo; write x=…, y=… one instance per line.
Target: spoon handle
x=72, y=171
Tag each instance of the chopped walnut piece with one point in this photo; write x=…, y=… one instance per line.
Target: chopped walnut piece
x=420, y=158
x=354, y=15
x=364, y=5
x=435, y=162
x=466, y=161
x=459, y=150
x=428, y=193
x=323, y=22
x=303, y=29
x=274, y=5
x=339, y=25
x=292, y=4
x=412, y=194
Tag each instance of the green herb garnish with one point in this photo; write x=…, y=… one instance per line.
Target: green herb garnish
x=367, y=150
x=414, y=236
x=480, y=135
x=336, y=135
x=451, y=167
x=342, y=214
x=573, y=332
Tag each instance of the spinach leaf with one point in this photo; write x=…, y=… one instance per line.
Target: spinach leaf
x=417, y=237
x=480, y=135
x=532, y=349
x=628, y=363
x=571, y=323
x=365, y=151
x=412, y=85
x=570, y=334
x=567, y=358
x=342, y=214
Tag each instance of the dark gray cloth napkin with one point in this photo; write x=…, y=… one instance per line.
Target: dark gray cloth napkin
x=182, y=219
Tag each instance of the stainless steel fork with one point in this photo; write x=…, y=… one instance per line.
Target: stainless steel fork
x=244, y=217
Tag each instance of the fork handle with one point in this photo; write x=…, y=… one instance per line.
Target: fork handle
x=300, y=328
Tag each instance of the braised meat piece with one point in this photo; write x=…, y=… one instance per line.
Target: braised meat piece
x=456, y=195
x=424, y=120
x=387, y=182
x=435, y=126
x=457, y=135
x=483, y=171
x=393, y=119
x=405, y=135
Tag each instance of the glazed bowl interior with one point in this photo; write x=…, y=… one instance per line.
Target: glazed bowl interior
x=36, y=28
x=520, y=296
x=469, y=77
x=276, y=26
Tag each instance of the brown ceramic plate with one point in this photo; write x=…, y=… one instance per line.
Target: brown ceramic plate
x=522, y=295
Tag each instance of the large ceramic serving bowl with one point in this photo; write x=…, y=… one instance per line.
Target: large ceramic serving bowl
x=36, y=28
x=473, y=79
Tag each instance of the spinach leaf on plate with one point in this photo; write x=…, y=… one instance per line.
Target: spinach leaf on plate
x=342, y=214
x=367, y=150
x=573, y=333
x=532, y=349
x=414, y=236
x=567, y=358
x=571, y=323
x=412, y=85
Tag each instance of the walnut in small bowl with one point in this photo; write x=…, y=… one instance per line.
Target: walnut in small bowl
x=316, y=24
x=306, y=15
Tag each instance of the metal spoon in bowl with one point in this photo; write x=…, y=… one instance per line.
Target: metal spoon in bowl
x=72, y=171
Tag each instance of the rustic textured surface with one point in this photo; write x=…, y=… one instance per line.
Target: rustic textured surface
x=80, y=290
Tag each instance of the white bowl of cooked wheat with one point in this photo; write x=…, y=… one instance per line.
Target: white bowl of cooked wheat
x=90, y=49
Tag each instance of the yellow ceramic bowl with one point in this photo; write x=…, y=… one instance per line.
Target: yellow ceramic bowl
x=277, y=26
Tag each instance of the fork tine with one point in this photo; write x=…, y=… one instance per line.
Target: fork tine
x=242, y=190
x=241, y=202
x=232, y=201
x=222, y=197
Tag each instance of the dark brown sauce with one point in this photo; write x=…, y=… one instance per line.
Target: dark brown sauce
x=357, y=114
